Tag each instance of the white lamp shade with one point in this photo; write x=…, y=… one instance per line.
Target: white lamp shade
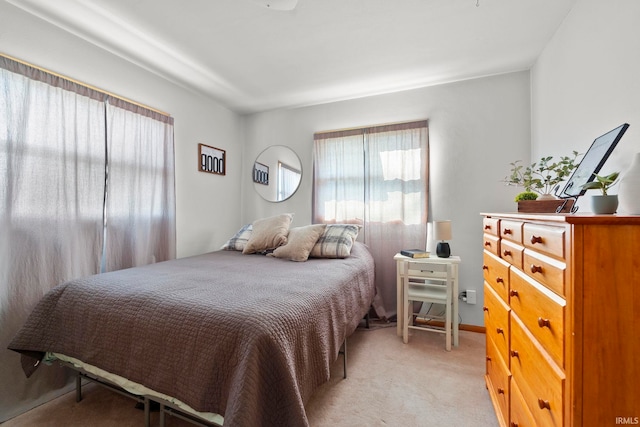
x=442, y=230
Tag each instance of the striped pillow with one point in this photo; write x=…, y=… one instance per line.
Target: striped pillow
x=239, y=240
x=336, y=241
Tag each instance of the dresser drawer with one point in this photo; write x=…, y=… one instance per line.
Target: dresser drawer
x=511, y=230
x=496, y=274
x=496, y=321
x=491, y=226
x=545, y=239
x=548, y=271
x=520, y=413
x=498, y=381
x=512, y=253
x=542, y=312
x=491, y=243
x=540, y=380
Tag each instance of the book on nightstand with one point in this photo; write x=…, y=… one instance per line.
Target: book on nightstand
x=415, y=253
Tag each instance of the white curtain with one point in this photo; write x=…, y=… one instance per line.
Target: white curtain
x=56, y=147
x=140, y=208
x=51, y=189
x=377, y=178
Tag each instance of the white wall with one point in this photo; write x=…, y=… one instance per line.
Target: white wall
x=476, y=128
x=587, y=82
x=208, y=206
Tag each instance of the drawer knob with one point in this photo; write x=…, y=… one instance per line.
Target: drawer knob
x=487, y=243
x=499, y=280
x=488, y=358
x=507, y=253
x=513, y=293
x=536, y=239
x=544, y=322
x=500, y=331
x=514, y=353
x=536, y=268
x=513, y=424
x=500, y=390
x=487, y=227
x=544, y=404
x=485, y=308
x=507, y=231
x=485, y=267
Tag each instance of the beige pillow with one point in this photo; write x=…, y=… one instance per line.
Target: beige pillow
x=268, y=233
x=300, y=242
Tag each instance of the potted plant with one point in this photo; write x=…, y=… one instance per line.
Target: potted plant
x=604, y=203
x=539, y=180
x=542, y=177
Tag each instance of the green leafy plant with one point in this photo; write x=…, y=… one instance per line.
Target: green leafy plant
x=602, y=183
x=541, y=177
x=526, y=195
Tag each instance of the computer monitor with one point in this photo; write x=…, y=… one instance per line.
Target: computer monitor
x=592, y=162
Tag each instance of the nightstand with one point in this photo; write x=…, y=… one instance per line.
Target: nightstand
x=451, y=263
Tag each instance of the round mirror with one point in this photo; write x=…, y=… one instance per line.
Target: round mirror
x=276, y=173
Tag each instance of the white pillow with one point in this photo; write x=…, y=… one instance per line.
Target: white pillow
x=299, y=242
x=268, y=233
x=336, y=241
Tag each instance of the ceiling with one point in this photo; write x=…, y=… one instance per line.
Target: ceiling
x=253, y=58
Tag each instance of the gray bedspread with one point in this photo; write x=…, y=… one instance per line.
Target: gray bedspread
x=245, y=336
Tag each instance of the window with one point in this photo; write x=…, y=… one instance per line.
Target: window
x=375, y=177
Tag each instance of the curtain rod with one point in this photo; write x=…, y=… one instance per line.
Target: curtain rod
x=85, y=85
x=360, y=128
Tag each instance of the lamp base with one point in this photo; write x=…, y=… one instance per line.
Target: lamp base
x=443, y=250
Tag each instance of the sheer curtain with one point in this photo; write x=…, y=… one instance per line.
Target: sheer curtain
x=51, y=187
x=376, y=177
x=140, y=207
x=58, y=141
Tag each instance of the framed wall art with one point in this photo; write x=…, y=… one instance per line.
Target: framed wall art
x=260, y=173
x=211, y=160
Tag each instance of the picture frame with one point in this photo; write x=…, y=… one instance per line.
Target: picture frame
x=212, y=160
x=260, y=173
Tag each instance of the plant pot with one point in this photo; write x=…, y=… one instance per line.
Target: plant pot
x=544, y=206
x=604, y=204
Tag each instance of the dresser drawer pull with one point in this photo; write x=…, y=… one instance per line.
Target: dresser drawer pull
x=513, y=293
x=485, y=308
x=514, y=353
x=507, y=253
x=544, y=323
x=487, y=227
x=500, y=331
x=487, y=244
x=485, y=267
x=536, y=268
x=513, y=424
x=488, y=358
x=500, y=390
x=499, y=280
x=536, y=239
x=507, y=231
x=544, y=404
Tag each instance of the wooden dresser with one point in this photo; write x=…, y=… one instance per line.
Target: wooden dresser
x=562, y=317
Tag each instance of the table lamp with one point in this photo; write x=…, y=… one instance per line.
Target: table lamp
x=442, y=232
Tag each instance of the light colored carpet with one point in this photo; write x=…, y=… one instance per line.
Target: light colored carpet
x=389, y=384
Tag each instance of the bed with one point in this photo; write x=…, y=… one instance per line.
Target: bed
x=247, y=337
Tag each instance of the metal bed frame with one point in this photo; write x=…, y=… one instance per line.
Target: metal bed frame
x=165, y=407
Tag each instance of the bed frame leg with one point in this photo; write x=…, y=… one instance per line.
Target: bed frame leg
x=344, y=358
x=147, y=412
x=78, y=387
